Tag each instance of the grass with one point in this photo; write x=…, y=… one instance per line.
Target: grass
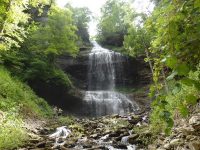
x=17, y=101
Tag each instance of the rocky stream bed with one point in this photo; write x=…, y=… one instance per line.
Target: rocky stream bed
x=115, y=133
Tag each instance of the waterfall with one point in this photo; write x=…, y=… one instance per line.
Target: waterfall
x=104, y=66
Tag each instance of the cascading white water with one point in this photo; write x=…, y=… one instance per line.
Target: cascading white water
x=101, y=98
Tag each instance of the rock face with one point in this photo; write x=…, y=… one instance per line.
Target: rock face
x=76, y=67
x=132, y=73
x=135, y=74
x=135, y=71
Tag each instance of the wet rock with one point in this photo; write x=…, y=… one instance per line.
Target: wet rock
x=87, y=145
x=134, y=119
x=118, y=138
x=132, y=138
x=97, y=148
x=167, y=146
x=115, y=134
x=120, y=146
x=94, y=136
x=41, y=144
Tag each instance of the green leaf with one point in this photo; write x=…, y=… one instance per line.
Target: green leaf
x=170, y=124
x=171, y=62
x=165, y=115
x=170, y=77
x=182, y=69
x=196, y=3
x=187, y=81
x=191, y=99
x=190, y=82
x=177, y=88
x=197, y=85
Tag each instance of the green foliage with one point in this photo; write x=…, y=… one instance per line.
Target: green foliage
x=169, y=38
x=12, y=135
x=14, y=21
x=136, y=41
x=174, y=27
x=54, y=37
x=16, y=102
x=14, y=94
x=35, y=60
x=113, y=24
x=81, y=17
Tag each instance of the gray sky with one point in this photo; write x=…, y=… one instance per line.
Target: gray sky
x=95, y=5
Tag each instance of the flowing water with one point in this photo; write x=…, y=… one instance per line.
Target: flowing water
x=101, y=97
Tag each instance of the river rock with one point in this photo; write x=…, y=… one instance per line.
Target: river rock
x=63, y=148
x=87, y=145
x=134, y=119
x=151, y=147
x=132, y=138
x=186, y=130
x=94, y=136
x=195, y=122
x=115, y=134
x=167, y=146
x=194, y=145
x=120, y=146
x=175, y=142
x=41, y=144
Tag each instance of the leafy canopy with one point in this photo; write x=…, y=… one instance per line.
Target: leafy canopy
x=113, y=24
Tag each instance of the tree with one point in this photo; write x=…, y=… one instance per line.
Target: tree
x=54, y=37
x=14, y=20
x=35, y=59
x=81, y=18
x=174, y=51
x=114, y=22
x=137, y=42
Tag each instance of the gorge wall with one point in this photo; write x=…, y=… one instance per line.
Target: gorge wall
x=136, y=74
